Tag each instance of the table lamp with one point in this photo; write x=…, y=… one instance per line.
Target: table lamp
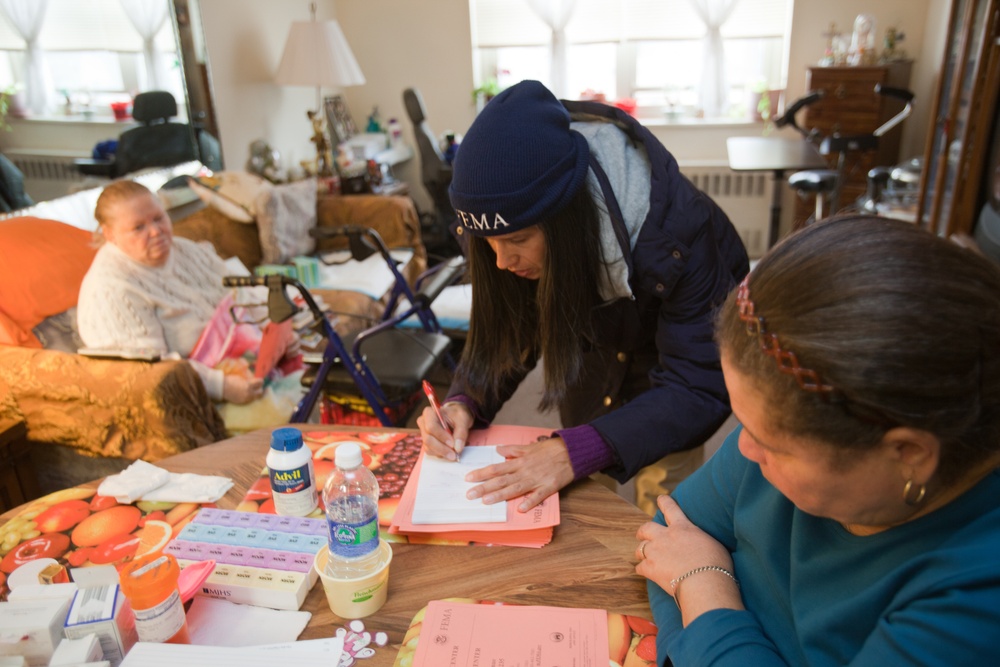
x=317, y=54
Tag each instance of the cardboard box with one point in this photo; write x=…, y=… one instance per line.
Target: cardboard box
x=32, y=629
x=70, y=652
x=101, y=610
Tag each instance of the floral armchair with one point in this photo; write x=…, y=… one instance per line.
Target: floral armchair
x=78, y=409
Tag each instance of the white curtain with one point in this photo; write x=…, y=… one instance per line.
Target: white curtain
x=27, y=17
x=148, y=17
x=714, y=88
x=556, y=14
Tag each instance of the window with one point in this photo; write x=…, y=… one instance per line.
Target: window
x=652, y=51
x=93, y=56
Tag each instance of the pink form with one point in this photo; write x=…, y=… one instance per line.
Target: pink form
x=456, y=633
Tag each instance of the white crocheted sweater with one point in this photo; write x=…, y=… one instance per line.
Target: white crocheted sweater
x=124, y=304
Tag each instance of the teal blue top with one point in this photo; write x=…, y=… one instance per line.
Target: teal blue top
x=923, y=593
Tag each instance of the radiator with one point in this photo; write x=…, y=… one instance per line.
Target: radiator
x=744, y=196
x=46, y=176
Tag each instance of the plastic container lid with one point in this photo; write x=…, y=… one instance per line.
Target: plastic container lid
x=286, y=439
x=348, y=455
x=149, y=580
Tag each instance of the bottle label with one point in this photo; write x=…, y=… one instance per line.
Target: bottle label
x=293, y=490
x=351, y=540
x=161, y=621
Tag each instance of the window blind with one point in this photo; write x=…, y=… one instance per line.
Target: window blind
x=86, y=25
x=499, y=23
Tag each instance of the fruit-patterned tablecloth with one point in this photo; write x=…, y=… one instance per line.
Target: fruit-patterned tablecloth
x=390, y=455
x=79, y=528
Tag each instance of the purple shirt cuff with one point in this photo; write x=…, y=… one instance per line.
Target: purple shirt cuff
x=473, y=408
x=588, y=453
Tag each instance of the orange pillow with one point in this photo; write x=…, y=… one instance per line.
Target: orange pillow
x=43, y=262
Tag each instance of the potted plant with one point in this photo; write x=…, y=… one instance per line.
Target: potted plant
x=488, y=90
x=5, y=96
x=763, y=106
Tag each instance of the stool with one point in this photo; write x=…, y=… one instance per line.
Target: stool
x=878, y=177
x=818, y=181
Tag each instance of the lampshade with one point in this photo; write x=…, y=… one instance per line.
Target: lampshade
x=317, y=54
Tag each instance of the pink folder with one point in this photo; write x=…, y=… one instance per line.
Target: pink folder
x=522, y=529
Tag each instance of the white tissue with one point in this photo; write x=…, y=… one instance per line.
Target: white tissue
x=130, y=484
x=145, y=481
x=190, y=488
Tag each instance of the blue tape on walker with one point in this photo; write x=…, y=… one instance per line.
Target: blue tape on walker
x=277, y=270
x=307, y=269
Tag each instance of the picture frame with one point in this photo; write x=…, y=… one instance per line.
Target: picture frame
x=338, y=119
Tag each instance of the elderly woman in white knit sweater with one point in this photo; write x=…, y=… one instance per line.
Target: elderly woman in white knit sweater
x=146, y=289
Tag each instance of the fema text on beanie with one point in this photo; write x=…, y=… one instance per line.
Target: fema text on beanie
x=518, y=163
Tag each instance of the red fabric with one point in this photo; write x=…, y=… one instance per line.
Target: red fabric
x=276, y=339
x=44, y=262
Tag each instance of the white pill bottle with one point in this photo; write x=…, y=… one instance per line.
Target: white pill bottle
x=290, y=467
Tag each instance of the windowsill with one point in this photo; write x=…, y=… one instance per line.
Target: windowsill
x=689, y=122
x=92, y=119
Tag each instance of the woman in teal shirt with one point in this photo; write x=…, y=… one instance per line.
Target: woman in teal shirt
x=853, y=518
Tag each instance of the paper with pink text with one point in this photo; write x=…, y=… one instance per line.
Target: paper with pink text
x=456, y=633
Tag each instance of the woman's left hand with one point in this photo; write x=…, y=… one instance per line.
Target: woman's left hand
x=679, y=547
x=535, y=471
x=666, y=553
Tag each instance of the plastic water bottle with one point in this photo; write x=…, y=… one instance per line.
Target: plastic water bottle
x=351, y=499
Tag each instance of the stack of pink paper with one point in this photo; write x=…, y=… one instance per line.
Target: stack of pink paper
x=521, y=529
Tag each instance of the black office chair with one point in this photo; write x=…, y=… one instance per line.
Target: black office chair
x=158, y=142
x=435, y=173
x=12, y=194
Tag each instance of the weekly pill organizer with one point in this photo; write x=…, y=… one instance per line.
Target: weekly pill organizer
x=261, y=559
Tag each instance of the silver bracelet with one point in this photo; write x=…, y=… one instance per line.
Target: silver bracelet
x=703, y=568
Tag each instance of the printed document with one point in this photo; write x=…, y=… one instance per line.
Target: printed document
x=441, y=490
x=456, y=633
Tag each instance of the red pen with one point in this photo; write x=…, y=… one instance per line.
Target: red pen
x=432, y=397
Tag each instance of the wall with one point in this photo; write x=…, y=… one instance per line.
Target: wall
x=399, y=45
x=245, y=39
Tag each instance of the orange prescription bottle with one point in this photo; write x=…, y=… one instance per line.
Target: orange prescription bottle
x=150, y=584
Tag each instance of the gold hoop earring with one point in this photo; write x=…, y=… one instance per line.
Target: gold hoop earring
x=908, y=490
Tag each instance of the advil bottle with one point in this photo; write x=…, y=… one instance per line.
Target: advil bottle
x=290, y=467
x=150, y=584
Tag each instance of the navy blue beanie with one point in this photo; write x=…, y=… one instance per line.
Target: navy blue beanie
x=518, y=163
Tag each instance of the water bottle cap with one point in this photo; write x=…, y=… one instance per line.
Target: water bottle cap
x=348, y=455
x=286, y=439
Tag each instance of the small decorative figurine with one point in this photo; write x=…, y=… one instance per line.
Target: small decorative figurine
x=863, y=41
x=324, y=156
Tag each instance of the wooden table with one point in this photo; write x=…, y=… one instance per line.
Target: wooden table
x=590, y=562
x=777, y=155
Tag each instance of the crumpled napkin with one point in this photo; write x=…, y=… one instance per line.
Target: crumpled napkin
x=145, y=481
x=130, y=484
x=190, y=488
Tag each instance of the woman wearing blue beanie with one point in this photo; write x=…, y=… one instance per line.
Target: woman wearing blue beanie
x=587, y=248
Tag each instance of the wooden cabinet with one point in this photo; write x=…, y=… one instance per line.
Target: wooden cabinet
x=954, y=185
x=850, y=106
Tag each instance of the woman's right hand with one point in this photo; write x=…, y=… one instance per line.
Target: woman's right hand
x=435, y=436
x=240, y=390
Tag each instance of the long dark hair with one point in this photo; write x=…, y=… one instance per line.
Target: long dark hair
x=903, y=326
x=514, y=321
